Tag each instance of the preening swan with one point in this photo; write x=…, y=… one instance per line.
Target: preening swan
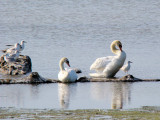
x=66, y=75
x=126, y=67
x=110, y=65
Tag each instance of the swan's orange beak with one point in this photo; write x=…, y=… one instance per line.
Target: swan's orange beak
x=68, y=64
x=120, y=47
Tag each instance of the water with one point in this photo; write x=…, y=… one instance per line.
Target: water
x=82, y=31
x=108, y=95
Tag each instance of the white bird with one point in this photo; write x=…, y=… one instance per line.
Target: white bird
x=9, y=59
x=22, y=45
x=126, y=67
x=14, y=55
x=109, y=66
x=66, y=75
x=13, y=49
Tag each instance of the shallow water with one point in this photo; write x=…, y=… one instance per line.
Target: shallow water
x=108, y=95
x=81, y=31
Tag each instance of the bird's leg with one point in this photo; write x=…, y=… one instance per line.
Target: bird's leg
x=127, y=72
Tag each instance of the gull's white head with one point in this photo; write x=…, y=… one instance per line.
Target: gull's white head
x=22, y=42
x=17, y=44
x=130, y=62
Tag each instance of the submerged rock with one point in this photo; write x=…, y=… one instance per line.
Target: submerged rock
x=32, y=78
x=127, y=78
x=21, y=66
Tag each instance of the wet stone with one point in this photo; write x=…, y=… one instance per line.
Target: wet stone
x=23, y=65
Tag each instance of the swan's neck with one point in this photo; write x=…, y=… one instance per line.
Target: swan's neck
x=114, y=49
x=61, y=65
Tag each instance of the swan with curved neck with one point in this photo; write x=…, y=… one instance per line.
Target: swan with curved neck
x=110, y=65
x=66, y=75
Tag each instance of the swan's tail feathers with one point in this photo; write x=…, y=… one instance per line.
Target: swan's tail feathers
x=97, y=75
x=91, y=67
x=96, y=69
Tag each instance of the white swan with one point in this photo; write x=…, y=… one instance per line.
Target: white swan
x=66, y=75
x=109, y=66
x=126, y=67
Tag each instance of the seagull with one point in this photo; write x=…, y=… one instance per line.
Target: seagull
x=9, y=59
x=126, y=67
x=13, y=49
x=15, y=55
x=22, y=45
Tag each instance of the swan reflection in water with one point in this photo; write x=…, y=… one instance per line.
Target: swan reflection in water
x=65, y=91
x=117, y=92
x=121, y=95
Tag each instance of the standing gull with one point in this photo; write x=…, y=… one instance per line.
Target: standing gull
x=15, y=55
x=13, y=49
x=9, y=59
x=126, y=67
x=22, y=45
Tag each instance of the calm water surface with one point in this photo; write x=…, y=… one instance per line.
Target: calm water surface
x=82, y=31
x=109, y=95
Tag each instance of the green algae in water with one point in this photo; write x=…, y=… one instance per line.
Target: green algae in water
x=144, y=113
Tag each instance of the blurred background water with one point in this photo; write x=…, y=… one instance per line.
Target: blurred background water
x=83, y=31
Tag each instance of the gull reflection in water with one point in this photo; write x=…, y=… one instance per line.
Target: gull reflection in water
x=65, y=91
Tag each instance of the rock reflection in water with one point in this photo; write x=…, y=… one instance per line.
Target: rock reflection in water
x=65, y=91
x=17, y=95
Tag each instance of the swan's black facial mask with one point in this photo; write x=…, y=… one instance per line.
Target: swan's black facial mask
x=120, y=47
x=67, y=62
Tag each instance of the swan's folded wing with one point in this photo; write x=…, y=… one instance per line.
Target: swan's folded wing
x=72, y=74
x=100, y=63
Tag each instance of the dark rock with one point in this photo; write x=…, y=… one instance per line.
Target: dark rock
x=23, y=65
x=83, y=79
x=34, y=77
x=127, y=78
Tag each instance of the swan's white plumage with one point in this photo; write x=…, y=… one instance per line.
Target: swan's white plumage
x=100, y=63
x=66, y=75
x=109, y=66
